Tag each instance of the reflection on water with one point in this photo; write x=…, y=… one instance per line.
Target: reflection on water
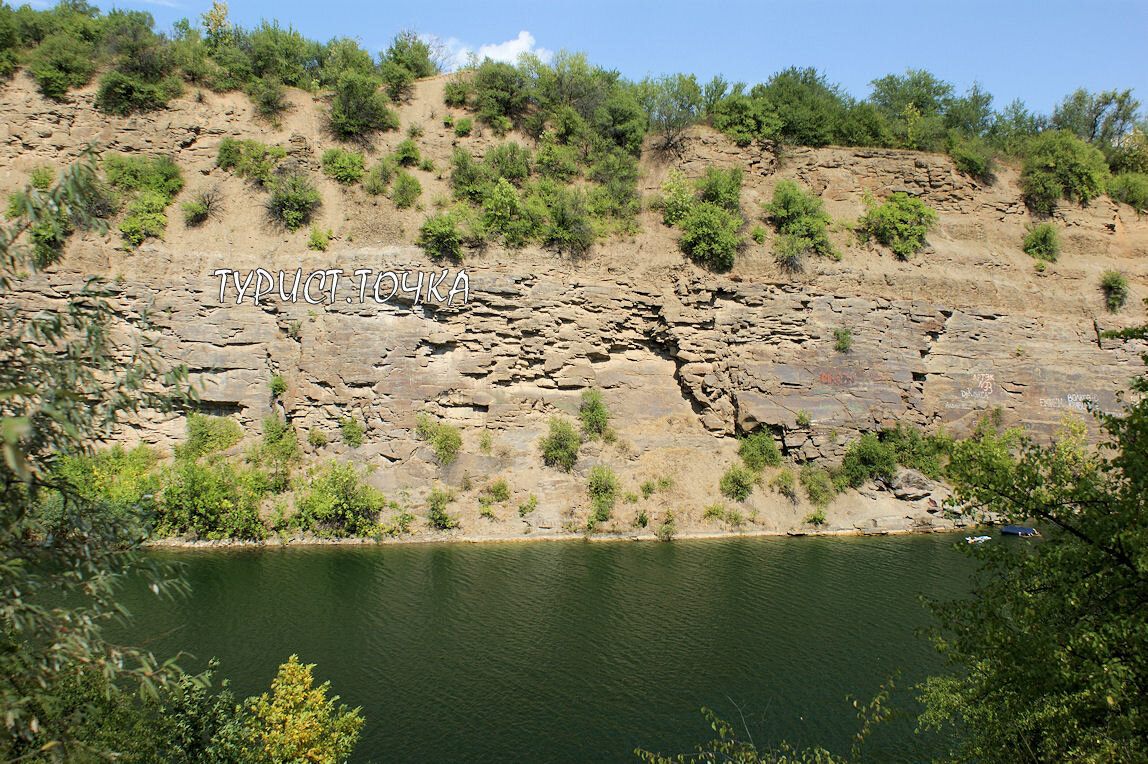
x=572, y=651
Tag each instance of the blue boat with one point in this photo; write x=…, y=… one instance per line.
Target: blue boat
x=1019, y=530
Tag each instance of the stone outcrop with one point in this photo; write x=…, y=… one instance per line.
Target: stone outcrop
x=686, y=359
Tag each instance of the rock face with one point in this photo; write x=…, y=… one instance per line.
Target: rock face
x=686, y=359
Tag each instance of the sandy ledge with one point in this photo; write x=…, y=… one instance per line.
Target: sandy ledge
x=300, y=540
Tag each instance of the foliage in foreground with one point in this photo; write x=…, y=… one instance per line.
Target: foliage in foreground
x=737, y=746
x=1052, y=651
x=71, y=524
x=67, y=382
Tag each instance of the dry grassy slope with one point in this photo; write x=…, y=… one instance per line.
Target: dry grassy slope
x=684, y=357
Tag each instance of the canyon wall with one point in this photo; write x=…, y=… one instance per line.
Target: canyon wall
x=686, y=359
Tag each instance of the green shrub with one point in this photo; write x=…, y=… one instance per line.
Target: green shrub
x=293, y=200
x=642, y=519
x=503, y=212
x=615, y=190
x=734, y=518
x=593, y=413
x=900, y=223
x=555, y=160
x=818, y=485
x=437, y=501
x=867, y=458
x=413, y=53
x=407, y=153
x=917, y=451
x=603, y=488
x=139, y=173
x=207, y=435
x=1042, y=242
x=352, y=431
x=568, y=227
x=358, y=109
x=204, y=205
x=803, y=418
x=268, y=98
x=1115, y=288
x=759, y=451
x=715, y=511
x=444, y=438
x=121, y=483
x=816, y=517
x=667, y=529
x=319, y=239
x=842, y=340
x=1058, y=165
x=49, y=235
x=463, y=127
x=212, y=501
x=439, y=236
x=510, y=161
x=379, y=177
x=145, y=217
x=801, y=217
x=785, y=484
x=758, y=234
x=1130, y=188
x=678, y=198
x=737, y=483
x=500, y=90
x=498, y=491
x=337, y=502
x=344, y=166
x=278, y=386
x=972, y=156
x=407, y=189
x=123, y=94
x=316, y=438
x=41, y=177
x=745, y=119
x=456, y=92
x=397, y=79
x=648, y=489
x=469, y=179
x=721, y=187
x=790, y=252
x=528, y=506
x=60, y=62
x=250, y=159
x=560, y=446
x=710, y=235
x=279, y=449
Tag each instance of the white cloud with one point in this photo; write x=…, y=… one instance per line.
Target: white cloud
x=508, y=51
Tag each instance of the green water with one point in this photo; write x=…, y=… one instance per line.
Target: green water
x=573, y=651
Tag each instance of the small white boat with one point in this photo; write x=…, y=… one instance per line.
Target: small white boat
x=976, y=539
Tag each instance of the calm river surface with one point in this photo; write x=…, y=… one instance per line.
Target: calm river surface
x=573, y=651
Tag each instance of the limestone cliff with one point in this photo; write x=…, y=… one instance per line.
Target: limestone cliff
x=686, y=359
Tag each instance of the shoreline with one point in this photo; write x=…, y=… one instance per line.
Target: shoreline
x=315, y=541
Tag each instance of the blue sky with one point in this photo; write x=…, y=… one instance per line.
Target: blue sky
x=1037, y=51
